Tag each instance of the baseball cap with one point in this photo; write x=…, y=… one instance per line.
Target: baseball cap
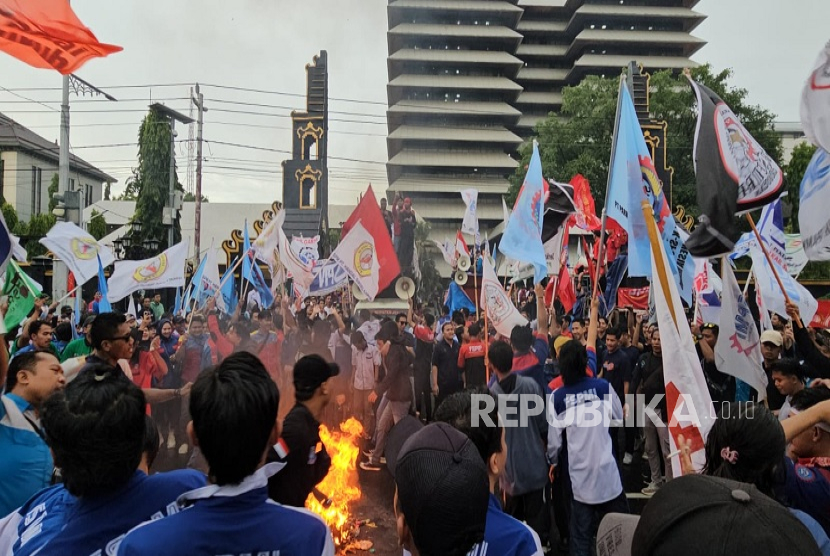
x=727, y=517
x=443, y=489
x=773, y=337
x=311, y=371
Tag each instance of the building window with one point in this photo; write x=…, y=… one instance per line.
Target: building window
x=71, y=184
x=2, y=172
x=37, y=190
x=87, y=195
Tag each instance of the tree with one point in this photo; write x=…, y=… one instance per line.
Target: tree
x=430, y=287
x=33, y=230
x=190, y=198
x=578, y=139
x=793, y=174
x=150, y=181
x=107, y=191
x=10, y=216
x=97, y=226
x=52, y=190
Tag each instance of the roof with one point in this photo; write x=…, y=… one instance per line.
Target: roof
x=530, y=120
x=648, y=62
x=496, y=134
x=640, y=11
x=530, y=26
x=432, y=184
x=472, y=31
x=483, y=159
x=456, y=82
x=494, y=57
x=478, y=108
x=459, y=5
x=14, y=136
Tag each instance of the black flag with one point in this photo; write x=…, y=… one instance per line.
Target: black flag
x=559, y=207
x=734, y=174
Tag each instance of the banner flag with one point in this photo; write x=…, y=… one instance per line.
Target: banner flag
x=329, y=277
x=104, y=305
x=22, y=292
x=470, y=223
x=773, y=298
x=815, y=101
x=165, y=270
x=813, y=216
x=77, y=249
x=356, y=254
x=250, y=272
x=501, y=312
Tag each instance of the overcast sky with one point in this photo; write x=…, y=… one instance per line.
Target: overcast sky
x=265, y=44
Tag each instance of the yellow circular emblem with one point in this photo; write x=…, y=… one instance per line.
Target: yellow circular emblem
x=363, y=257
x=152, y=270
x=83, y=248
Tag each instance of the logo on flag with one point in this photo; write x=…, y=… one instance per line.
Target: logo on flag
x=84, y=248
x=364, y=256
x=151, y=271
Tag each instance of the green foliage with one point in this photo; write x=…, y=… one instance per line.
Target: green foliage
x=107, y=191
x=150, y=181
x=10, y=216
x=97, y=226
x=52, y=190
x=190, y=198
x=430, y=287
x=30, y=232
x=578, y=140
x=793, y=174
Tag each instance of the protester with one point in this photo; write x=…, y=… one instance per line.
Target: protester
x=471, y=359
x=423, y=331
x=157, y=307
x=651, y=383
x=234, y=408
x=595, y=479
x=771, y=346
x=146, y=363
x=365, y=362
x=526, y=472
x=788, y=378
x=306, y=459
x=39, y=338
x=82, y=346
x=167, y=414
x=441, y=499
x=95, y=428
x=616, y=368
x=25, y=459
x=531, y=350
x=721, y=385
x=503, y=534
x=445, y=379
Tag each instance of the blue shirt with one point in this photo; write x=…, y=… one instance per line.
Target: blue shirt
x=507, y=536
x=807, y=488
x=232, y=520
x=25, y=461
x=55, y=522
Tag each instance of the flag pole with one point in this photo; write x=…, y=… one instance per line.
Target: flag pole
x=771, y=265
x=611, y=162
x=475, y=280
x=486, y=347
x=657, y=251
x=748, y=279
x=228, y=275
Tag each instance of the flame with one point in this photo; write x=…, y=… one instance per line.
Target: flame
x=341, y=482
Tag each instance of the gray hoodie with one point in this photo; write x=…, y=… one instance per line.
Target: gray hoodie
x=527, y=468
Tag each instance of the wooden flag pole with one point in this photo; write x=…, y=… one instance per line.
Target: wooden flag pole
x=657, y=251
x=771, y=265
x=600, y=254
x=486, y=347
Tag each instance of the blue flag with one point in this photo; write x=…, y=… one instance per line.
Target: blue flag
x=229, y=293
x=177, y=306
x=76, y=317
x=616, y=272
x=522, y=239
x=457, y=299
x=104, y=305
x=194, y=291
x=253, y=274
x=634, y=180
x=813, y=217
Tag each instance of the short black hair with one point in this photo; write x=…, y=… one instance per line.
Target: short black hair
x=809, y=397
x=151, y=440
x=429, y=319
x=21, y=362
x=501, y=357
x=197, y=318
x=788, y=367
x=35, y=326
x=457, y=411
x=615, y=331
x=573, y=359
x=400, y=315
x=234, y=409
x=104, y=327
x=95, y=427
x=579, y=321
x=521, y=337
x=265, y=314
x=474, y=330
x=241, y=330
x=63, y=332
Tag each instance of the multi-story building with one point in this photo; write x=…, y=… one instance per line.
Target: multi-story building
x=27, y=164
x=469, y=80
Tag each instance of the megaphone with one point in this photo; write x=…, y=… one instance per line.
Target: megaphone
x=460, y=277
x=358, y=294
x=405, y=287
x=464, y=262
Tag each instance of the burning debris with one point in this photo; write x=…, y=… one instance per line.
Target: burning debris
x=333, y=497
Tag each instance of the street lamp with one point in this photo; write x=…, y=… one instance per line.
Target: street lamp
x=130, y=247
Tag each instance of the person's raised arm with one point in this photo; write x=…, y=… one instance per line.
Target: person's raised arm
x=806, y=348
x=707, y=350
x=541, y=311
x=797, y=423
x=593, y=325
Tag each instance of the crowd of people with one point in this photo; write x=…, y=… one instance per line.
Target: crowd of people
x=82, y=421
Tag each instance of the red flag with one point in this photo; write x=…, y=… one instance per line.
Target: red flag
x=70, y=282
x=47, y=34
x=369, y=215
x=589, y=253
x=586, y=212
x=461, y=245
x=565, y=290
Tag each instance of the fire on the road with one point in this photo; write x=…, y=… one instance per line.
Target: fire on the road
x=341, y=483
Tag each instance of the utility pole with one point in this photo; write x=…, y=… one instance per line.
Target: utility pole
x=170, y=211
x=199, y=101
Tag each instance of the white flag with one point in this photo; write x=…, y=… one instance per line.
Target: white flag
x=553, y=251
x=796, y=257
x=449, y=252
x=210, y=281
x=470, y=223
x=306, y=249
x=505, y=210
x=688, y=402
x=815, y=102
x=77, y=249
x=163, y=271
x=813, y=216
x=356, y=254
x=300, y=272
x=771, y=292
x=738, y=351
x=501, y=312
x=266, y=245
x=708, y=289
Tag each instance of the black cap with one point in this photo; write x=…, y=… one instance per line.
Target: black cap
x=726, y=517
x=311, y=371
x=443, y=490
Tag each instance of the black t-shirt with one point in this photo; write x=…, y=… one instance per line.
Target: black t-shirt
x=616, y=368
x=445, y=357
